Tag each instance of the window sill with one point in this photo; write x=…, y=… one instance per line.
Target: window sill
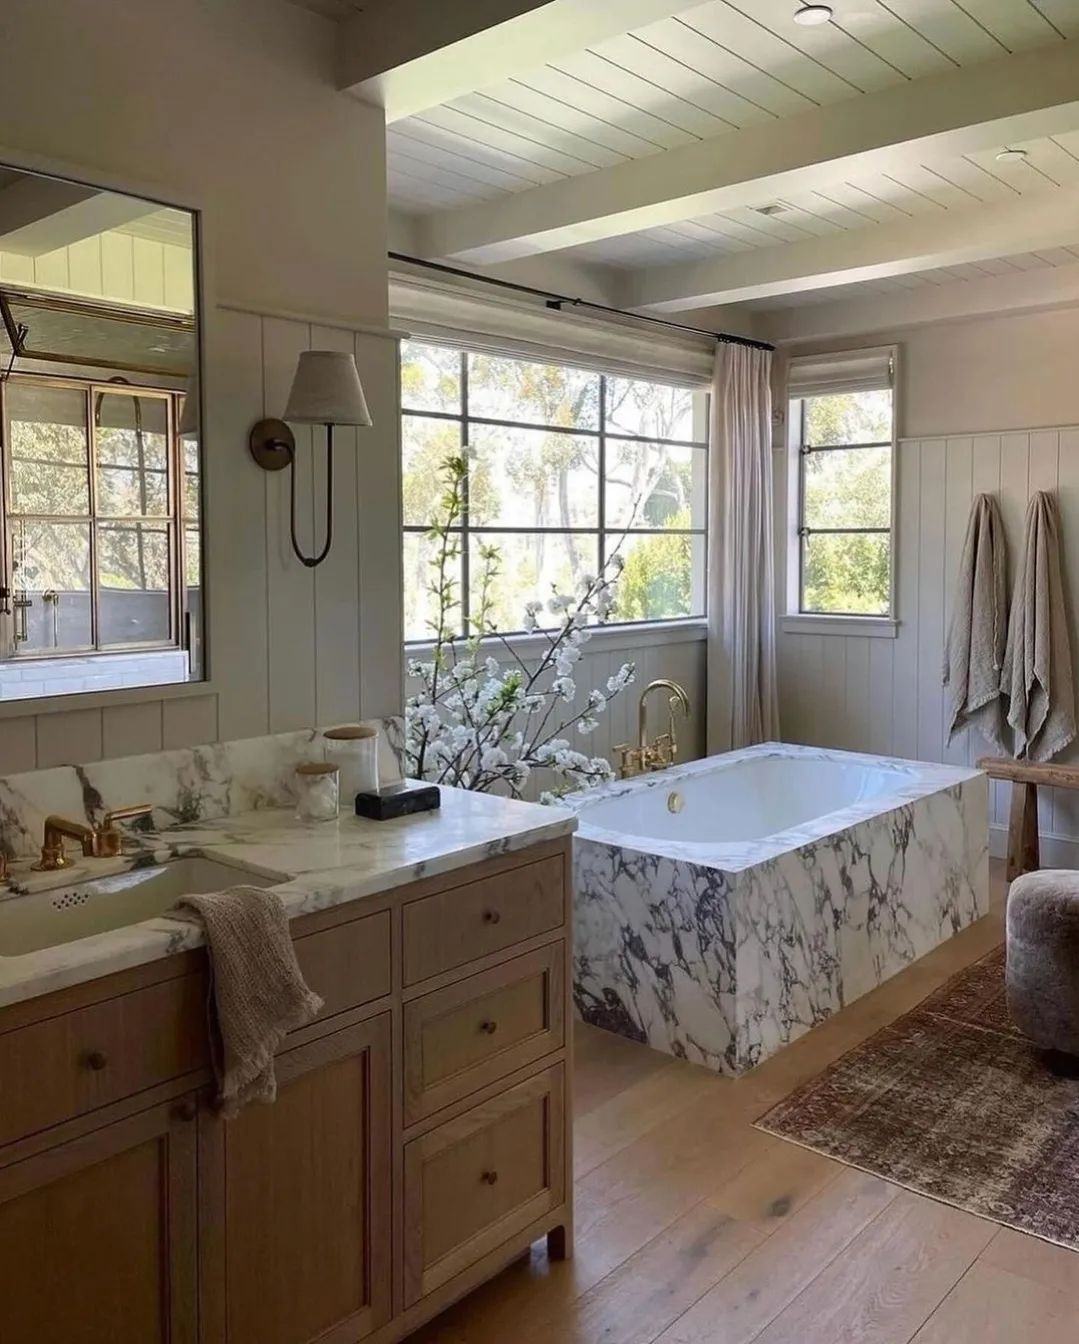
x=869, y=627
x=629, y=637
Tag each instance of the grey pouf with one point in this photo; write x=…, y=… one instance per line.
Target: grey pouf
x=1043, y=958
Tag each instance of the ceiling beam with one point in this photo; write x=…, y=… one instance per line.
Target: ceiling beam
x=853, y=255
x=993, y=296
x=41, y=214
x=416, y=55
x=1018, y=97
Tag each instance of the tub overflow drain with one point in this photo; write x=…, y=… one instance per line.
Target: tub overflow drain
x=675, y=802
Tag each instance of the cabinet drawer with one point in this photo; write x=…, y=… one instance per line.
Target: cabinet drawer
x=65, y=1066
x=348, y=964
x=461, y=1038
x=454, y=927
x=480, y=1179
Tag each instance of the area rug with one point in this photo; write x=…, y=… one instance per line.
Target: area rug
x=952, y=1102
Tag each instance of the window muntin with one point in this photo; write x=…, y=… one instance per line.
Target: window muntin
x=845, y=506
x=565, y=465
x=100, y=519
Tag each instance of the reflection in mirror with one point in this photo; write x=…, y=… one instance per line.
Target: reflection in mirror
x=100, y=496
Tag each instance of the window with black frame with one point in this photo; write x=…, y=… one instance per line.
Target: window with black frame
x=565, y=465
x=845, y=439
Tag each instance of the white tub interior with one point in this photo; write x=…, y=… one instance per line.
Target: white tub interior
x=745, y=801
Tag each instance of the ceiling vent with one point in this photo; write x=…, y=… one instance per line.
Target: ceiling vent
x=776, y=209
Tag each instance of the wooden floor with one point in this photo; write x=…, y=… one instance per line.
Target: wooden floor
x=695, y=1228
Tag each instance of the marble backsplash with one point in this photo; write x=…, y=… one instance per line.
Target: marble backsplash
x=191, y=784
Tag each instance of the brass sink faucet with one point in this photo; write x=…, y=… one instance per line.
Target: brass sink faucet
x=663, y=751
x=98, y=842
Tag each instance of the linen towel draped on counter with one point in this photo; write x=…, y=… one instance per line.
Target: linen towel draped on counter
x=1037, y=674
x=978, y=631
x=743, y=706
x=257, y=991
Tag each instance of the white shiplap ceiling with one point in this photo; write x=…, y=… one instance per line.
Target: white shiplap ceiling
x=708, y=71
x=1052, y=163
x=941, y=275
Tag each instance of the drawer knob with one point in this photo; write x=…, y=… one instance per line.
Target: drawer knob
x=96, y=1060
x=489, y=1178
x=491, y=916
x=187, y=1110
x=489, y=1027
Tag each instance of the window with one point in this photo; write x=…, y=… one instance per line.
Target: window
x=844, y=438
x=565, y=466
x=100, y=524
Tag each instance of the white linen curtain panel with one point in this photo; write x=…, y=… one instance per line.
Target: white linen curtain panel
x=743, y=706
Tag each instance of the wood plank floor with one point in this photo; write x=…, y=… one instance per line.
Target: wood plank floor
x=695, y=1228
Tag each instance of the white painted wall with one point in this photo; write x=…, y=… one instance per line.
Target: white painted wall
x=985, y=406
x=231, y=107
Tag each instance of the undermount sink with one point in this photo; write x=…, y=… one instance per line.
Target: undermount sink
x=96, y=905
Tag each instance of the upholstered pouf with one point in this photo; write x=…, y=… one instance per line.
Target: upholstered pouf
x=1043, y=960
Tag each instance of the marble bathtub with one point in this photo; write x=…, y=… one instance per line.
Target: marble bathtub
x=726, y=906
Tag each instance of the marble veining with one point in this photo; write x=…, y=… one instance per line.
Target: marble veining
x=186, y=785
x=325, y=864
x=723, y=954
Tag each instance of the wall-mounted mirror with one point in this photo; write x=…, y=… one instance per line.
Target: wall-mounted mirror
x=100, y=482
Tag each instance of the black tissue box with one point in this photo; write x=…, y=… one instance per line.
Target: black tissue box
x=398, y=800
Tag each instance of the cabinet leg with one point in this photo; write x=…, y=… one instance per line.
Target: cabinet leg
x=559, y=1246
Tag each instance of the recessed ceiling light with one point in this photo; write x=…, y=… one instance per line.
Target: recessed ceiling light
x=1012, y=156
x=775, y=209
x=809, y=16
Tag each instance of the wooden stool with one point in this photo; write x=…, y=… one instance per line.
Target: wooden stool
x=1024, y=854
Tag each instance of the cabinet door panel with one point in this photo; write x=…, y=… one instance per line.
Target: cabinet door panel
x=97, y=1237
x=296, y=1233
x=480, y=1179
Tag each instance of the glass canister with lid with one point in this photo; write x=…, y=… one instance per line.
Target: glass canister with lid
x=317, y=791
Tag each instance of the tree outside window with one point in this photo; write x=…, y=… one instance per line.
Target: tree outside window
x=845, y=504
x=563, y=466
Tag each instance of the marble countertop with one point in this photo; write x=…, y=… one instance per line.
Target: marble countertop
x=326, y=864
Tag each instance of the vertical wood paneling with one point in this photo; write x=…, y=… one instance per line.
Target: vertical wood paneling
x=881, y=695
x=905, y=656
x=291, y=605
x=235, y=528
x=856, y=659
x=131, y=730
x=69, y=737
x=378, y=488
x=902, y=711
x=337, y=579
x=931, y=599
x=18, y=745
x=189, y=721
x=958, y=488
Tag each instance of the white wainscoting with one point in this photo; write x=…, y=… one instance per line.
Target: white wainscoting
x=678, y=653
x=886, y=695
x=288, y=646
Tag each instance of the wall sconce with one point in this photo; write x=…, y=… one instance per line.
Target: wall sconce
x=325, y=391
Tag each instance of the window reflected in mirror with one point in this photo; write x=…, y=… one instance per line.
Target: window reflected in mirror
x=100, y=467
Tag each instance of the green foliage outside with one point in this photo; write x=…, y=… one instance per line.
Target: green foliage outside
x=847, y=572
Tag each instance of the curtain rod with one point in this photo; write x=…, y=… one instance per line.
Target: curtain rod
x=557, y=301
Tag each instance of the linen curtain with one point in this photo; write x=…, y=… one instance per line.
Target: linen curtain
x=743, y=706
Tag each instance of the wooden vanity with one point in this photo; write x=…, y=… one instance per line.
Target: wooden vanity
x=419, y=1143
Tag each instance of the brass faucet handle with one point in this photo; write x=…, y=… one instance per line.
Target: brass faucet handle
x=631, y=760
x=129, y=813
x=110, y=839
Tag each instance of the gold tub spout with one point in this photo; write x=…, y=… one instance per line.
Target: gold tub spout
x=663, y=751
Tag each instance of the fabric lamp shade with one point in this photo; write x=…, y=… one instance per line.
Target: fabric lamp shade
x=327, y=391
x=188, y=427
